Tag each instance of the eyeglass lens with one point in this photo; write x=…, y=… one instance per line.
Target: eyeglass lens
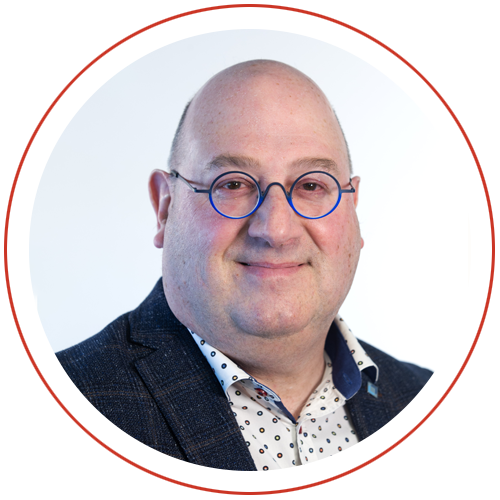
x=313, y=195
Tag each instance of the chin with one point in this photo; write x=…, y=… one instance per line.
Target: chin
x=271, y=321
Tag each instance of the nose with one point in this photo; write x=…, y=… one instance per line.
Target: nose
x=275, y=221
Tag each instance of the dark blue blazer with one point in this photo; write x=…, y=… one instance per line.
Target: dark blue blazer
x=145, y=373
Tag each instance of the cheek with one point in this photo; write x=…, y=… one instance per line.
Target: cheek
x=340, y=243
x=202, y=237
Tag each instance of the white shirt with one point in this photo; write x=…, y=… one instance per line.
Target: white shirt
x=275, y=439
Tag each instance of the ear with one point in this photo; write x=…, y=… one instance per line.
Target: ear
x=355, y=182
x=159, y=194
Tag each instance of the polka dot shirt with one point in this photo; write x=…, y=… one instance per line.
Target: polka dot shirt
x=274, y=438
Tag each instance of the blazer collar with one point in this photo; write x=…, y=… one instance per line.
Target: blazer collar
x=153, y=322
x=181, y=381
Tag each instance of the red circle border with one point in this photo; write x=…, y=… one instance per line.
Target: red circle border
x=300, y=11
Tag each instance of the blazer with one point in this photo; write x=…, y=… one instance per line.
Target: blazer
x=145, y=373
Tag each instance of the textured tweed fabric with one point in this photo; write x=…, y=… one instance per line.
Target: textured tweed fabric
x=145, y=373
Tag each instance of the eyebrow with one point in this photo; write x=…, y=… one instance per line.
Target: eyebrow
x=225, y=161
x=317, y=164
x=245, y=162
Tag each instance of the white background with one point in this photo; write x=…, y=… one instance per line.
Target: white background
x=441, y=244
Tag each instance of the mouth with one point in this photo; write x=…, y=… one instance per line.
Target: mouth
x=271, y=269
x=269, y=265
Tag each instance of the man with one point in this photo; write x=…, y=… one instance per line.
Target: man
x=238, y=358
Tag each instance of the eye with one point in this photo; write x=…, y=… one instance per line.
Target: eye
x=233, y=185
x=310, y=186
x=230, y=186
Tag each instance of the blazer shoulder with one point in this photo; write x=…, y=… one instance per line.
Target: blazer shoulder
x=104, y=358
x=404, y=381
x=400, y=375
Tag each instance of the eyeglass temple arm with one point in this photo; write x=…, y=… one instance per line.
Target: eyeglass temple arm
x=352, y=190
x=176, y=174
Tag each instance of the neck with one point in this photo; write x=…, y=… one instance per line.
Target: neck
x=291, y=366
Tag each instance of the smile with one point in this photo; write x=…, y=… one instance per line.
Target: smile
x=269, y=265
x=268, y=269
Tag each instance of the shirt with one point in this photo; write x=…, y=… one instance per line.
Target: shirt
x=275, y=439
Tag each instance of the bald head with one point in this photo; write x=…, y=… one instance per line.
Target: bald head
x=254, y=92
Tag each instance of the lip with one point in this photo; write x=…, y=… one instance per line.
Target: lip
x=271, y=265
x=275, y=269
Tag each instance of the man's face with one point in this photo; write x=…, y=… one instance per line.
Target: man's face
x=274, y=273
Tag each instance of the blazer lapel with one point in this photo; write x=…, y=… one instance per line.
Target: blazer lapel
x=183, y=386
x=369, y=413
x=381, y=421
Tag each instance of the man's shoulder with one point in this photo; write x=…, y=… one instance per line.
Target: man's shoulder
x=398, y=381
x=110, y=355
x=105, y=356
x=391, y=369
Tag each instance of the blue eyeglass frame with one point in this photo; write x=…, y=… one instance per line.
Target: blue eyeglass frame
x=262, y=197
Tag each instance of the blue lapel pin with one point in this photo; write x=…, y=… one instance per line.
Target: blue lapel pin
x=372, y=389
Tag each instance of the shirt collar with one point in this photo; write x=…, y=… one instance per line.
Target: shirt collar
x=349, y=359
x=347, y=356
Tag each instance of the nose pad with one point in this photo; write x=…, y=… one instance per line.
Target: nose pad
x=264, y=196
x=282, y=188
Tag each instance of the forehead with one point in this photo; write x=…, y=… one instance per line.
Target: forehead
x=269, y=120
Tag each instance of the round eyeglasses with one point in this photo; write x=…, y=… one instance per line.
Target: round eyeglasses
x=237, y=195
